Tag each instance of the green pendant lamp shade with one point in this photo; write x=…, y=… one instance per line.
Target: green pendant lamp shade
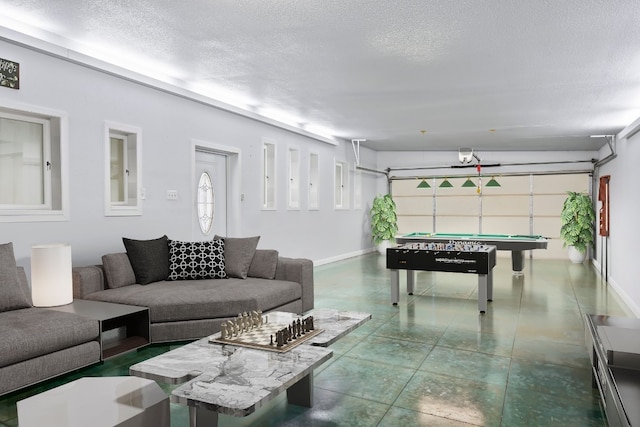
x=493, y=183
x=468, y=183
x=445, y=184
x=424, y=184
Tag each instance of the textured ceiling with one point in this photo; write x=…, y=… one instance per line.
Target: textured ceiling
x=492, y=75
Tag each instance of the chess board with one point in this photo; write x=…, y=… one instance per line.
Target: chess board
x=260, y=338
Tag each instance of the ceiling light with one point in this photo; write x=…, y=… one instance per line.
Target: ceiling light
x=493, y=183
x=469, y=183
x=424, y=184
x=445, y=184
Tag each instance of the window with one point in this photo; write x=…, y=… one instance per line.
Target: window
x=268, y=176
x=357, y=189
x=341, y=186
x=294, y=178
x=205, y=201
x=32, y=165
x=313, y=181
x=122, y=184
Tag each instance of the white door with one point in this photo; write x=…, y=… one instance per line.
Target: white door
x=213, y=208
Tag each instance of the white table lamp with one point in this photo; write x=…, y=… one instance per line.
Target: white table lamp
x=51, y=277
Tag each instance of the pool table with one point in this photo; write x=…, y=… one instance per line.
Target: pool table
x=516, y=243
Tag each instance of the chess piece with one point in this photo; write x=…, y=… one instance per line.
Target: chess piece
x=223, y=331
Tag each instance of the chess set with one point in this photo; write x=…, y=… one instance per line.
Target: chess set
x=253, y=330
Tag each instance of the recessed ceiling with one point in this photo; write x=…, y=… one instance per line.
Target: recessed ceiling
x=492, y=75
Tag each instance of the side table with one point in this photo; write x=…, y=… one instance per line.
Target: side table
x=123, y=327
x=98, y=402
x=614, y=350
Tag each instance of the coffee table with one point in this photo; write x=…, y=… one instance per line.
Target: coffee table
x=233, y=380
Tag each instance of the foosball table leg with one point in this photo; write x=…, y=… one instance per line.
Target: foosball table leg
x=395, y=287
x=482, y=292
x=411, y=281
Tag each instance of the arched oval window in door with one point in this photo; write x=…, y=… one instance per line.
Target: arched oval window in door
x=206, y=205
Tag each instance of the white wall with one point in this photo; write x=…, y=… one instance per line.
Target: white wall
x=624, y=235
x=169, y=123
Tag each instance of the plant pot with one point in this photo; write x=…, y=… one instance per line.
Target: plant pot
x=383, y=246
x=576, y=256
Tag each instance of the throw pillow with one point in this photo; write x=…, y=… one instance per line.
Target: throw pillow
x=118, y=270
x=149, y=259
x=238, y=254
x=196, y=260
x=12, y=296
x=264, y=264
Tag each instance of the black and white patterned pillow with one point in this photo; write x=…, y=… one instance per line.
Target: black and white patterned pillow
x=196, y=260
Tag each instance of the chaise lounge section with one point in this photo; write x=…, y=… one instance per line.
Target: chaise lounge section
x=194, y=307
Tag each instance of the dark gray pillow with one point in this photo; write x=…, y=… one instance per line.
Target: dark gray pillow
x=196, y=260
x=238, y=254
x=12, y=296
x=149, y=259
x=118, y=270
x=264, y=264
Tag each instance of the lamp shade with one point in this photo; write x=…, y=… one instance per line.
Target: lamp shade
x=445, y=184
x=51, y=277
x=424, y=184
x=469, y=183
x=493, y=183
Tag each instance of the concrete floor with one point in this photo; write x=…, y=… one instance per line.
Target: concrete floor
x=434, y=360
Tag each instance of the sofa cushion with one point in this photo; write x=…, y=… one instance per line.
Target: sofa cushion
x=196, y=260
x=37, y=331
x=238, y=253
x=12, y=297
x=264, y=264
x=118, y=270
x=203, y=299
x=149, y=259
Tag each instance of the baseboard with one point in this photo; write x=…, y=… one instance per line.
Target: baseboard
x=624, y=297
x=343, y=256
x=626, y=300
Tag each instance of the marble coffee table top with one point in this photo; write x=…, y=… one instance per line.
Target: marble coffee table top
x=236, y=380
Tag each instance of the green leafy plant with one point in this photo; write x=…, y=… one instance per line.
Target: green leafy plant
x=577, y=221
x=384, y=222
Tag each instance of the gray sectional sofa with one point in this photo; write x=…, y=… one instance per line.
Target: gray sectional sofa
x=36, y=343
x=192, y=287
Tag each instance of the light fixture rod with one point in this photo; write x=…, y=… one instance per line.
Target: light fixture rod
x=355, y=143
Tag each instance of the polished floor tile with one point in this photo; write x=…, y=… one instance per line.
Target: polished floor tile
x=434, y=360
x=459, y=399
x=470, y=365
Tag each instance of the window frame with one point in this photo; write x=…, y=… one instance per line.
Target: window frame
x=55, y=206
x=132, y=169
x=341, y=185
x=313, y=195
x=269, y=175
x=293, y=184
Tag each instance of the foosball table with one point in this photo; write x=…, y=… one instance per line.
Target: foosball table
x=453, y=256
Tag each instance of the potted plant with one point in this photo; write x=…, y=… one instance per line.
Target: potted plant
x=384, y=222
x=577, y=225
